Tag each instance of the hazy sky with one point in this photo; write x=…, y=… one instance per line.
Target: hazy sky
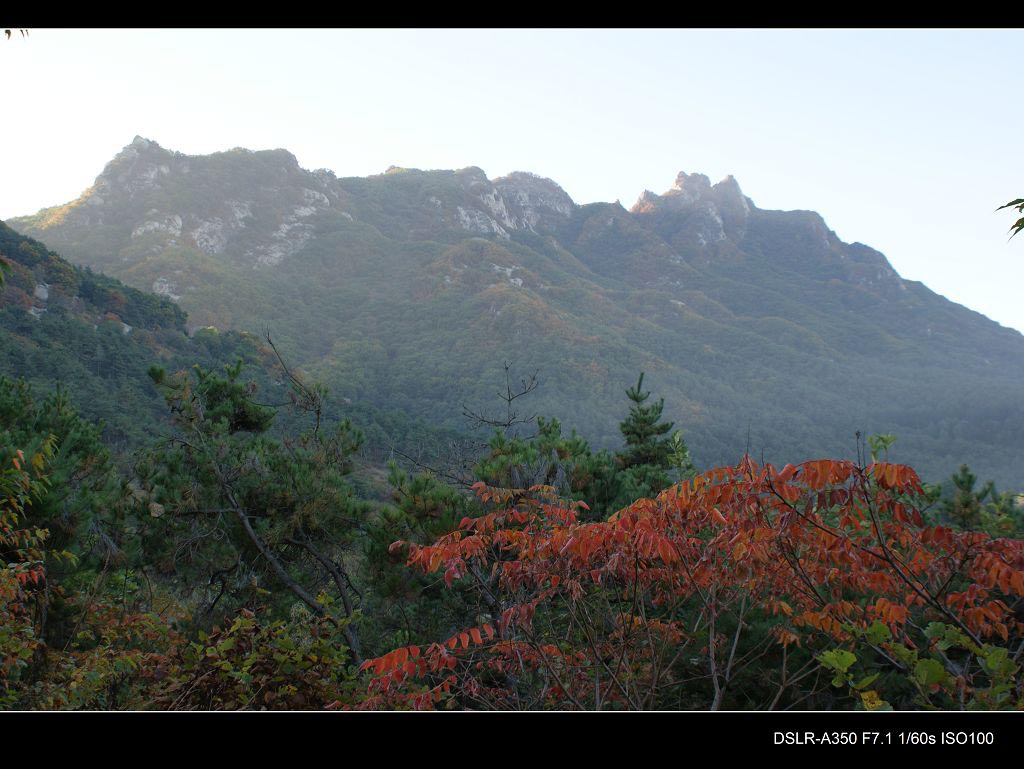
x=904, y=140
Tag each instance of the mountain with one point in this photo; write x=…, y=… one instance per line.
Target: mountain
x=408, y=290
x=61, y=324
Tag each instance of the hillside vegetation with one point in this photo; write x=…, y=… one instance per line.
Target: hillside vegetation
x=406, y=292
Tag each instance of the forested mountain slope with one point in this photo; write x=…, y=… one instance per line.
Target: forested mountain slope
x=62, y=325
x=407, y=291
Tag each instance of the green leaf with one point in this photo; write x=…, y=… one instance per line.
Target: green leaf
x=929, y=671
x=879, y=632
x=838, y=659
x=996, y=661
x=865, y=682
x=947, y=637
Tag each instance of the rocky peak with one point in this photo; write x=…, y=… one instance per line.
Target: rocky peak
x=139, y=147
x=472, y=174
x=137, y=167
x=283, y=156
x=519, y=201
x=536, y=194
x=256, y=207
x=689, y=188
x=714, y=212
x=728, y=195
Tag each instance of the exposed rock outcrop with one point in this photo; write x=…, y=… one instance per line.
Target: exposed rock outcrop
x=714, y=212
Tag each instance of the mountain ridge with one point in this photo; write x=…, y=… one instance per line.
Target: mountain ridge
x=724, y=304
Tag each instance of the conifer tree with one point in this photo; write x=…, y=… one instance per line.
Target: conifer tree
x=643, y=430
x=240, y=509
x=680, y=457
x=964, y=507
x=643, y=465
x=985, y=510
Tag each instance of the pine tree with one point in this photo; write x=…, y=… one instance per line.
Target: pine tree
x=409, y=607
x=642, y=431
x=680, y=457
x=964, y=507
x=238, y=509
x=642, y=468
x=985, y=510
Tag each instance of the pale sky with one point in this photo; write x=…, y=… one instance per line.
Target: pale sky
x=904, y=140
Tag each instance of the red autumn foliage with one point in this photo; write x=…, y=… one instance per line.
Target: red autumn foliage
x=591, y=614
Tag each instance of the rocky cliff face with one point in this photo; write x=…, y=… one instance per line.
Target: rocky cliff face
x=259, y=208
x=250, y=208
x=520, y=201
